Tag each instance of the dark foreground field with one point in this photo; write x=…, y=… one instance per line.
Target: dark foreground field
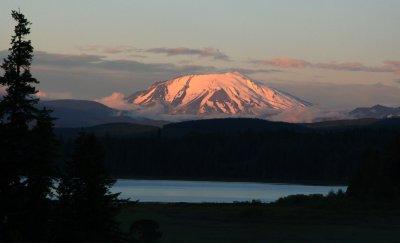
x=234, y=223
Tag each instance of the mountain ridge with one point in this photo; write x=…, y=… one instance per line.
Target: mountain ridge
x=377, y=112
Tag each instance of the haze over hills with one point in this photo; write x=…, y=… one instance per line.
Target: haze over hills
x=228, y=94
x=85, y=113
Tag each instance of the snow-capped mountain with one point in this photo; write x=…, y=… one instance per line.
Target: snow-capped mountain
x=213, y=95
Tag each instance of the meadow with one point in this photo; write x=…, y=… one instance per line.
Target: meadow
x=260, y=223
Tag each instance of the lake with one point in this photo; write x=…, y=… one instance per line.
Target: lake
x=211, y=191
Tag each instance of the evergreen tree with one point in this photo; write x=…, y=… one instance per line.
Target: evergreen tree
x=39, y=178
x=87, y=207
x=18, y=105
x=378, y=178
x=26, y=153
x=17, y=110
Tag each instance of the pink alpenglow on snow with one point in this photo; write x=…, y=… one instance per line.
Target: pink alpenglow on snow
x=213, y=95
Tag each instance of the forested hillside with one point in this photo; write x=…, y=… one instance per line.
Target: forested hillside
x=246, y=149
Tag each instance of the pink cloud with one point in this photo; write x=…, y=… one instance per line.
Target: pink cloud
x=285, y=62
x=352, y=66
x=395, y=65
x=116, y=100
x=41, y=94
x=53, y=95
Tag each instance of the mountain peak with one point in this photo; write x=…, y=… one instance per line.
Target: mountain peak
x=229, y=93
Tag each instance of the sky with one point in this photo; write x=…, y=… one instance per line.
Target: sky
x=336, y=53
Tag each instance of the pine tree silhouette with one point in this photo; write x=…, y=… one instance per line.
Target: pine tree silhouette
x=27, y=154
x=40, y=177
x=87, y=207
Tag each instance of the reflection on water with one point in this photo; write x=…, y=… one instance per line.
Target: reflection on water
x=209, y=191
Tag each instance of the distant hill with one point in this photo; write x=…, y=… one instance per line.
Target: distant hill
x=228, y=125
x=240, y=125
x=341, y=123
x=377, y=112
x=112, y=130
x=85, y=113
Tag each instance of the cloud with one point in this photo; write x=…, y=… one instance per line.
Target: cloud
x=65, y=60
x=41, y=94
x=285, y=62
x=92, y=76
x=116, y=100
x=308, y=114
x=205, y=52
x=99, y=62
x=132, y=51
x=341, y=96
x=125, y=49
x=395, y=65
x=249, y=71
x=53, y=95
x=137, y=56
x=353, y=67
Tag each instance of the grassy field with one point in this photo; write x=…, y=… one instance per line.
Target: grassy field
x=248, y=223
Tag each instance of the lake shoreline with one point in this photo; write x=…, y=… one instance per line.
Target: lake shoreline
x=212, y=179
x=177, y=191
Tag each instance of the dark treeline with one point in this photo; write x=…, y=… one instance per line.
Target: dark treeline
x=269, y=153
x=378, y=178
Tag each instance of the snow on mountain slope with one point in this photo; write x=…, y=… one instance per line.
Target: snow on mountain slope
x=207, y=95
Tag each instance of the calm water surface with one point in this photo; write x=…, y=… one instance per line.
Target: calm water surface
x=210, y=191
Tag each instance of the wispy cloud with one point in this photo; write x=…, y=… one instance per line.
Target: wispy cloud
x=249, y=71
x=286, y=62
x=132, y=51
x=184, y=51
x=341, y=96
x=98, y=61
x=124, y=49
x=64, y=60
x=354, y=67
x=137, y=56
x=283, y=62
x=92, y=76
x=395, y=65
x=53, y=95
